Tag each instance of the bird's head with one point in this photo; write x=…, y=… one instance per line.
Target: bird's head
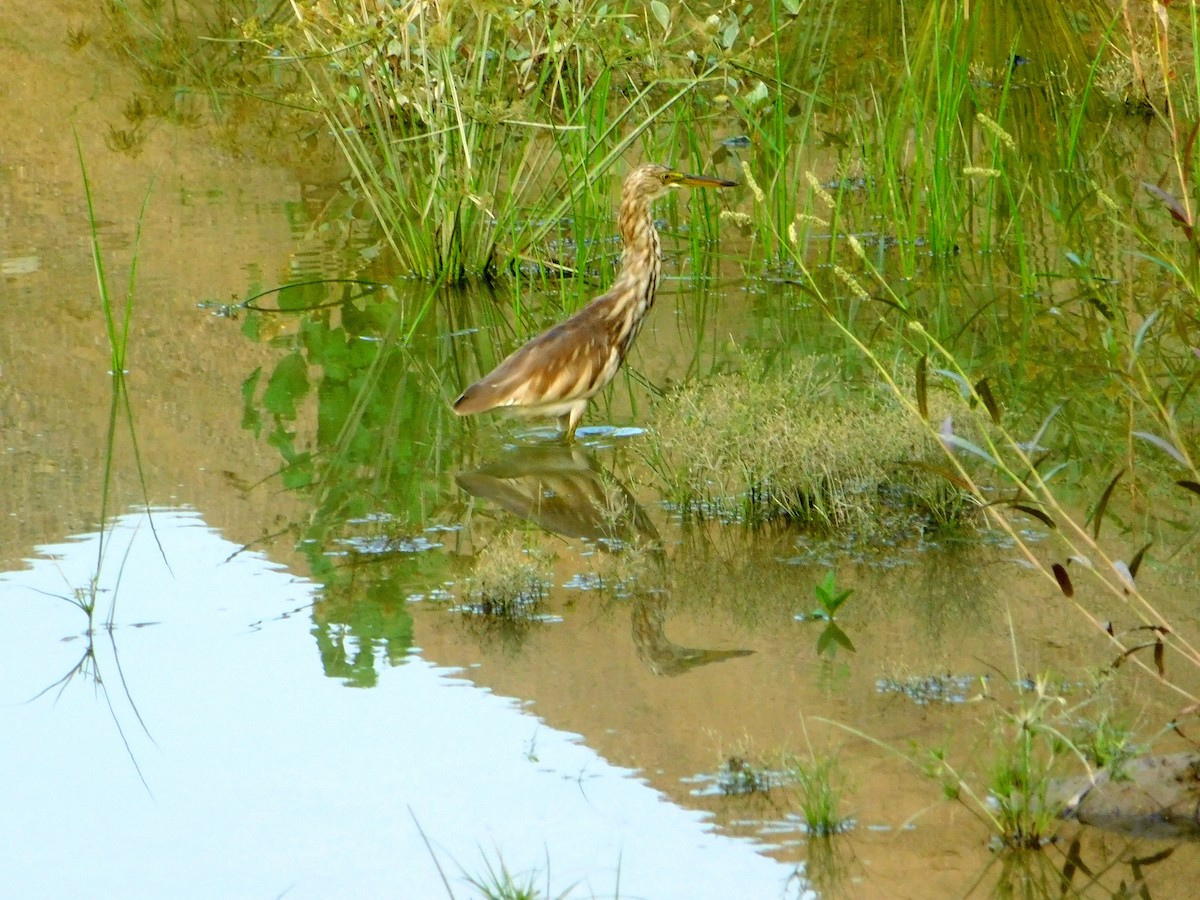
x=651, y=181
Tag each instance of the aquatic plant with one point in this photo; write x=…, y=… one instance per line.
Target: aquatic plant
x=509, y=581
x=792, y=443
x=1019, y=783
x=1108, y=744
x=743, y=770
x=816, y=777
x=498, y=883
x=830, y=599
x=117, y=321
x=459, y=121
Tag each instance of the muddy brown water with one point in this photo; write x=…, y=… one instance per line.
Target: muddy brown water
x=216, y=740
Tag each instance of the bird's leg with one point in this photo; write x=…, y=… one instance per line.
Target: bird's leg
x=567, y=427
x=570, y=421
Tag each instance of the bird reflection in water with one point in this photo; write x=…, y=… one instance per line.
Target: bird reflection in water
x=564, y=490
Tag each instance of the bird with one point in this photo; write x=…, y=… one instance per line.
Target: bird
x=560, y=370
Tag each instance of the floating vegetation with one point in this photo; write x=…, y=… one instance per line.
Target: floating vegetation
x=737, y=776
x=925, y=690
x=384, y=544
x=793, y=445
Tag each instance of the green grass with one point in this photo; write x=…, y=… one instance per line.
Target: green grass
x=793, y=443
x=118, y=317
x=820, y=799
x=1008, y=252
x=472, y=131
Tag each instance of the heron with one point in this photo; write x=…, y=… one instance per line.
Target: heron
x=560, y=370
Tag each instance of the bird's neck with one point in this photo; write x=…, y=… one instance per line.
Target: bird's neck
x=641, y=259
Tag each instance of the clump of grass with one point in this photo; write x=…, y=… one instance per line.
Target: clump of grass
x=459, y=119
x=1031, y=748
x=792, y=445
x=509, y=582
x=818, y=780
x=498, y=883
x=1107, y=742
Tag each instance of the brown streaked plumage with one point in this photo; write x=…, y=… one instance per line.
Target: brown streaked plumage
x=560, y=370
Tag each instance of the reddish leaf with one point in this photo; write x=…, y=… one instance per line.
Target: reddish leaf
x=1137, y=560
x=1063, y=579
x=1098, y=515
x=1178, y=213
x=1189, y=486
x=1036, y=513
x=985, y=394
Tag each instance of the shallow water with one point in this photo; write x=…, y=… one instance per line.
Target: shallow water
x=291, y=699
x=259, y=776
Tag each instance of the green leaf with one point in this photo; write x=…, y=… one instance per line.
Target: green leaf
x=825, y=641
x=828, y=594
x=832, y=638
x=251, y=327
x=840, y=637
x=288, y=383
x=729, y=35
x=757, y=94
x=964, y=444
x=251, y=419
x=662, y=13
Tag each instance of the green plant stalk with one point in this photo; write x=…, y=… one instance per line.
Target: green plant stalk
x=1080, y=110
x=1034, y=488
x=118, y=339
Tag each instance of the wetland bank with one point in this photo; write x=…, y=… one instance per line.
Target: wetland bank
x=885, y=529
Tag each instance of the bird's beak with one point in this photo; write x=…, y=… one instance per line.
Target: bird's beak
x=676, y=179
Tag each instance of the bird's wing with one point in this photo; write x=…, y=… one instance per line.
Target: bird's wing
x=560, y=364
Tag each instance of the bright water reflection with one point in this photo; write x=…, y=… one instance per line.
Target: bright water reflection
x=263, y=777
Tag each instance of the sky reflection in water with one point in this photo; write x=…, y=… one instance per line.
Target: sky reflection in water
x=266, y=778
